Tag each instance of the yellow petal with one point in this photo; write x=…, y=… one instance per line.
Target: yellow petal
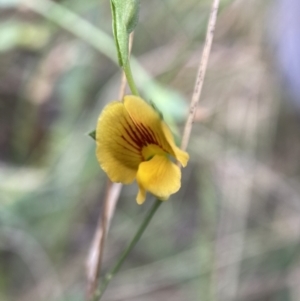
x=181, y=156
x=151, y=150
x=159, y=176
x=117, y=149
x=141, y=196
x=152, y=129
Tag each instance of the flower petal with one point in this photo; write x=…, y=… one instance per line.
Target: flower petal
x=141, y=196
x=152, y=129
x=160, y=176
x=117, y=149
x=179, y=154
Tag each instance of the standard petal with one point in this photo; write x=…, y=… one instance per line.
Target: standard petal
x=151, y=128
x=159, y=176
x=117, y=149
x=147, y=121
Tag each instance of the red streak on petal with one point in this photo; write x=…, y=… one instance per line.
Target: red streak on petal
x=133, y=153
x=148, y=138
x=130, y=132
x=140, y=135
x=150, y=134
x=155, y=137
x=131, y=144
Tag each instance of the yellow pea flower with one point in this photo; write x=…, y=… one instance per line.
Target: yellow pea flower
x=133, y=142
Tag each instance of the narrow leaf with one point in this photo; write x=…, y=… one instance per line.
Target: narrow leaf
x=125, y=17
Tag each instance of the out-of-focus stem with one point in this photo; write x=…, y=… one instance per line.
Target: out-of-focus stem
x=201, y=73
x=109, y=276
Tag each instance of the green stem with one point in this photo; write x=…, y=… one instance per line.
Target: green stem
x=109, y=276
x=130, y=80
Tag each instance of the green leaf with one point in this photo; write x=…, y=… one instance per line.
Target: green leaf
x=125, y=14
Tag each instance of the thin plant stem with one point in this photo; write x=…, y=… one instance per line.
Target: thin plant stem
x=123, y=80
x=93, y=264
x=123, y=86
x=130, y=80
x=201, y=73
x=109, y=276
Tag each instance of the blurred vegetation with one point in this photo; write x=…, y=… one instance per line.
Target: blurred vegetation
x=231, y=233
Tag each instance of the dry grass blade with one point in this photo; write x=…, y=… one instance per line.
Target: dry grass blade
x=201, y=73
x=96, y=251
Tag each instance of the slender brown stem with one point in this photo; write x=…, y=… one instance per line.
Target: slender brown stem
x=201, y=73
x=96, y=251
x=97, y=247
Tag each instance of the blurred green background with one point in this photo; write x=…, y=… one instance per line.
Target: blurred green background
x=231, y=233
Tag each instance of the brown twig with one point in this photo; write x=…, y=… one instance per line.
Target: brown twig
x=113, y=190
x=201, y=73
x=96, y=251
